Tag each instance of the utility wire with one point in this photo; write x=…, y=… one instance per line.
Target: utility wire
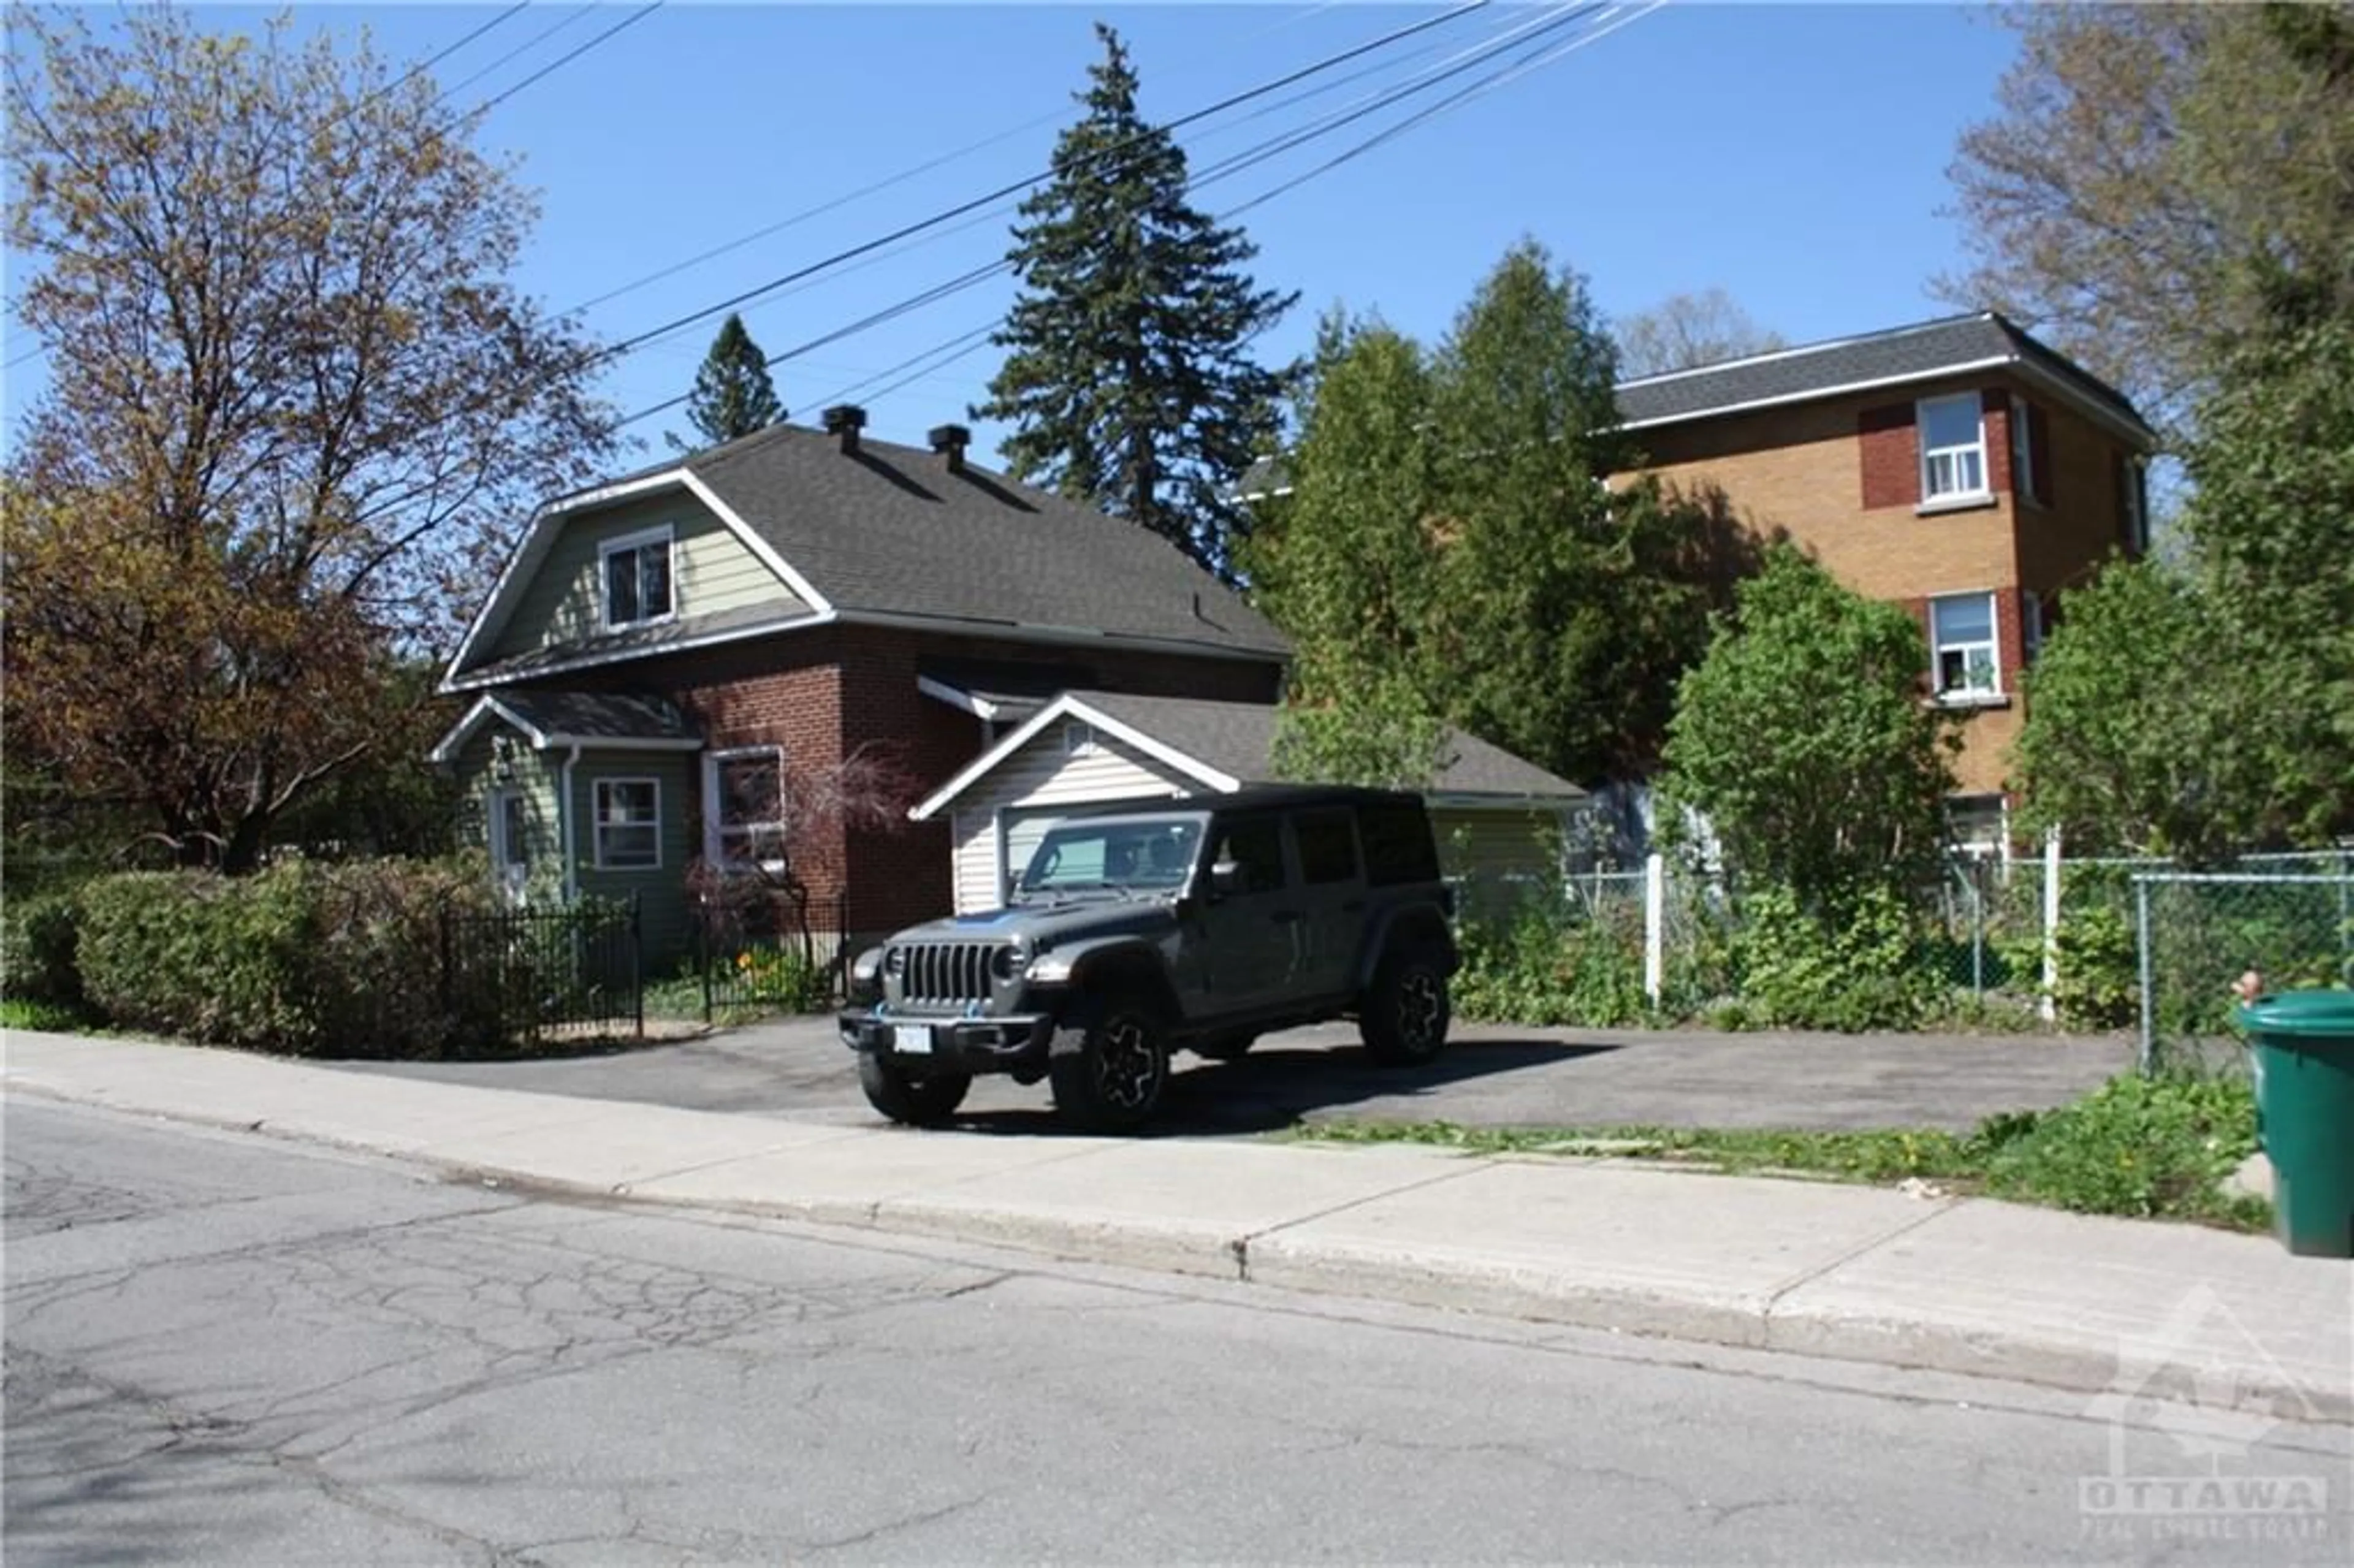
x=888, y=182
x=1527, y=34
x=1258, y=151
x=631, y=20
x=522, y=49
x=962, y=209
x=964, y=345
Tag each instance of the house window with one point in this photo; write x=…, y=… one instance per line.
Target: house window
x=1953, y=447
x=510, y=817
x=637, y=580
x=2133, y=488
x=2026, y=473
x=629, y=824
x=2030, y=629
x=744, y=797
x=1078, y=739
x=1961, y=632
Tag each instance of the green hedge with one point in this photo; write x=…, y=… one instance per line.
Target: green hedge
x=300, y=960
x=37, y=937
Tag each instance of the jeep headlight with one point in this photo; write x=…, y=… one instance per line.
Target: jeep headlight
x=1008, y=962
x=867, y=969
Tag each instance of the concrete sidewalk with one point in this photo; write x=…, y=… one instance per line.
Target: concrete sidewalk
x=2120, y=1309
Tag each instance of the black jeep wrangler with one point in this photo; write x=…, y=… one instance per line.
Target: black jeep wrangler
x=1199, y=925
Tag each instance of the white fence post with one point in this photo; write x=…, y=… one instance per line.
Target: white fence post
x=2049, y=1007
x=1655, y=925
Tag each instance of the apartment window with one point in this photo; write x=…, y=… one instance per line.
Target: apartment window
x=1953, y=447
x=1961, y=633
x=636, y=572
x=744, y=804
x=2030, y=627
x=2133, y=489
x=629, y=824
x=2026, y=463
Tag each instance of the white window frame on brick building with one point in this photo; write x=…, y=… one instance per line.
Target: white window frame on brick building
x=1952, y=470
x=641, y=550
x=612, y=816
x=726, y=840
x=1966, y=665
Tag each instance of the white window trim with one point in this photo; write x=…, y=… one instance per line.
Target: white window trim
x=1971, y=696
x=713, y=845
x=663, y=535
x=1984, y=490
x=2025, y=474
x=597, y=824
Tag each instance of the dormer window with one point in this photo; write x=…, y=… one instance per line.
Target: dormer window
x=1953, y=448
x=636, y=578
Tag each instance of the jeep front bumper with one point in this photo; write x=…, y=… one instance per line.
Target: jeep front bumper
x=961, y=1044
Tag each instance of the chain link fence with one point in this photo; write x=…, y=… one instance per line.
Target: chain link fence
x=2197, y=933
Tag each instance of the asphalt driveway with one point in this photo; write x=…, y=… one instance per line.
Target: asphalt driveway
x=1491, y=1075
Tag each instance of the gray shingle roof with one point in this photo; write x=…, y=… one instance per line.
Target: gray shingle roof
x=628, y=641
x=891, y=529
x=1902, y=354
x=1238, y=740
x=598, y=716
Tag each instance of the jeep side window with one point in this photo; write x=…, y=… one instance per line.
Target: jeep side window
x=1328, y=846
x=1254, y=844
x=1398, y=848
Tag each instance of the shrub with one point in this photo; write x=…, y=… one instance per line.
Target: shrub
x=1543, y=969
x=2098, y=981
x=37, y=937
x=2151, y=1148
x=302, y=958
x=1803, y=970
x=782, y=977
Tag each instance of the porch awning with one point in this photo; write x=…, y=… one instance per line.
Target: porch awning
x=611, y=720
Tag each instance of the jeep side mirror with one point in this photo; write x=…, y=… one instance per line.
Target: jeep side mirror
x=1226, y=878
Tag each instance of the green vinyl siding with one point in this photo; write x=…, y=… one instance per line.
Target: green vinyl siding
x=534, y=781
x=661, y=890
x=712, y=572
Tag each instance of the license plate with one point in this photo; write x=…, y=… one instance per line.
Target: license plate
x=912, y=1038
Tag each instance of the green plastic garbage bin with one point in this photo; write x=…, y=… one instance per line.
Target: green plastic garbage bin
x=2304, y=1048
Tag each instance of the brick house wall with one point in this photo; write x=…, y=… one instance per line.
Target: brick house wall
x=1841, y=478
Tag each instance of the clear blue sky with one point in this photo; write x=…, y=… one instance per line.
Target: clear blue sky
x=1794, y=154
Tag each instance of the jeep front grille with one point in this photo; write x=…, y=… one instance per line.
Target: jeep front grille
x=943, y=972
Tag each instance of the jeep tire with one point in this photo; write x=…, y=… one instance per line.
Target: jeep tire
x=1108, y=1064
x=928, y=1101
x=1406, y=1010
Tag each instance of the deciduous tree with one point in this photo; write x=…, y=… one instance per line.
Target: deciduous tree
x=1686, y=330
x=296, y=408
x=1129, y=382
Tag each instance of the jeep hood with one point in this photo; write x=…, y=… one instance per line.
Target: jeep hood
x=1051, y=925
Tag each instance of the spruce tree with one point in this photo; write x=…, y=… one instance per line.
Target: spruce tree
x=1128, y=381
x=733, y=394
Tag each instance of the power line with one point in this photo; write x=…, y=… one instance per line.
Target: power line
x=1522, y=37
x=522, y=49
x=971, y=341
x=888, y=182
x=944, y=216
x=631, y=20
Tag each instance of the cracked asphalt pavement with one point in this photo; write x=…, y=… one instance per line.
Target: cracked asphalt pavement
x=222, y=1348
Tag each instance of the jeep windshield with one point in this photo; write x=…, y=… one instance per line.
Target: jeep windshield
x=1129, y=854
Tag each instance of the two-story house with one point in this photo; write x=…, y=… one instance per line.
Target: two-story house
x=672, y=668
x=1957, y=467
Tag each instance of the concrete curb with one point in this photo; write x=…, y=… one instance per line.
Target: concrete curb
x=1849, y=1273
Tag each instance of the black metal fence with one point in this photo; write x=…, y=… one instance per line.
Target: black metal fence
x=527, y=974
x=776, y=958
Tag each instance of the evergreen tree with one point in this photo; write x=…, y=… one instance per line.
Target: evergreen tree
x=1128, y=383
x=733, y=394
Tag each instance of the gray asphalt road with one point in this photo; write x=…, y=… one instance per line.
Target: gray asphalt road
x=225, y=1350
x=1491, y=1076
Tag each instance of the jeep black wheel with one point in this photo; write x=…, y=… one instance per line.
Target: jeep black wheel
x=1225, y=1047
x=1406, y=1011
x=927, y=1101
x=1108, y=1067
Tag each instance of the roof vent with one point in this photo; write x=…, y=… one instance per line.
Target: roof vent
x=844, y=420
x=950, y=441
